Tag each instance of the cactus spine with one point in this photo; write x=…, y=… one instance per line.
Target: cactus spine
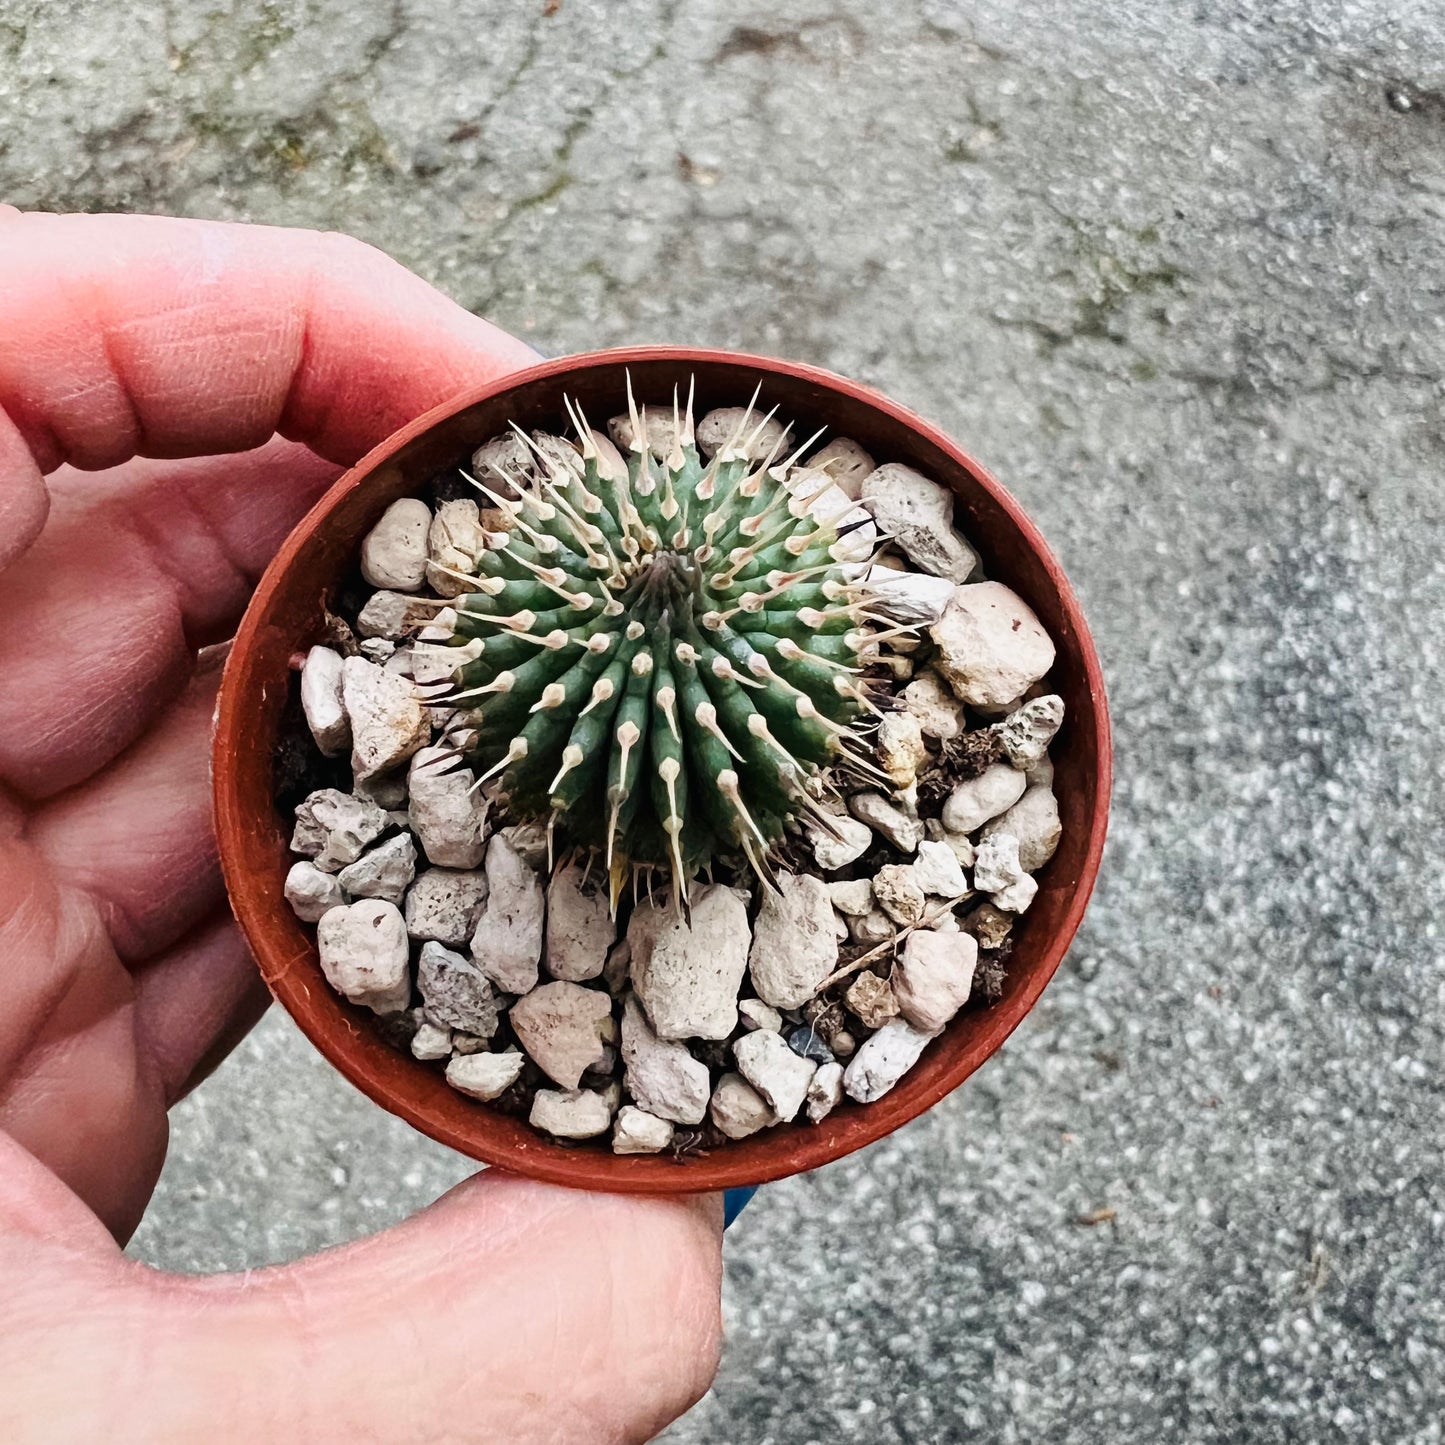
x=662, y=654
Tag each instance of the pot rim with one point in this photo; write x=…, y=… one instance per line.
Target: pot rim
x=330, y=1023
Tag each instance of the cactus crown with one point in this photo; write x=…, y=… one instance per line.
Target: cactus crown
x=661, y=653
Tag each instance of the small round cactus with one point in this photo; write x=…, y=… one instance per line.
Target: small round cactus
x=662, y=653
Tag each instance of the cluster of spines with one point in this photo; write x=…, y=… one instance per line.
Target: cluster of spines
x=661, y=655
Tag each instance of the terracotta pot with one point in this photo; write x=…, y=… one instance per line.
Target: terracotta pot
x=285, y=617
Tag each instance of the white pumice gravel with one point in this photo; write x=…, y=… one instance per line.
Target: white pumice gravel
x=390, y=617
x=571, y=1113
x=871, y=928
x=900, y=746
x=688, y=977
x=898, y=894
x=454, y=541
x=386, y=871
x=939, y=712
x=455, y=992
x=755, y=438
x=918, y=514
x=794, y=946
x=738, y=1110
x=910, y=596
x=937, y=871
x=321, y=701
x=388, y=723
x=853, y=898
x=825, y=1092
x=659, y=423
x=393, y=554
x=903, y=832
x=335, y=828
x=364, y=954
x=562, y=1028
x=998, y=872
x=842, y=843
x=431, y=1042
x=446, y=812
x=882, y=1059
x=991, y=646
x=485, y=1076
x=933, y=977
x=311, y=892
x=507, y=941
x=753, y=1013
x=1026, y=733
x=635, y=1131
x=1034, y=821
x=846, y=462
x=580, y=929
x=971, y=804
x=775, y=1071
x=444, y=905
x=661, y=1074
x=653, y=1032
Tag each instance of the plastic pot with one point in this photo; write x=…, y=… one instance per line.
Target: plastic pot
x=286, y=616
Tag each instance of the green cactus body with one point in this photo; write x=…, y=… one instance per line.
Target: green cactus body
x=664, y=653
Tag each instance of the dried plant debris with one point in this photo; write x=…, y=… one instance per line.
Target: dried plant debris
x=669, y=783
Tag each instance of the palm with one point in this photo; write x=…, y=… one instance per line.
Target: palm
x=126, y=979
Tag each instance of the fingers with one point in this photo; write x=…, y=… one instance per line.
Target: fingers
x=196, y=1002
x=136, y=841
x=74, y=1088
x=24, y=501
x=144, y=335
x=509, y=1311
x=136, y=568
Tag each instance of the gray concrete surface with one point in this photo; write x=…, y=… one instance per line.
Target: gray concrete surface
x=1175, y=270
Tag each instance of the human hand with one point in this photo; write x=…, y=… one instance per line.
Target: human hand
x=507, y=1311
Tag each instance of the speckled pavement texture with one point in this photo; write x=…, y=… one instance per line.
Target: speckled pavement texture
x=1175, y=271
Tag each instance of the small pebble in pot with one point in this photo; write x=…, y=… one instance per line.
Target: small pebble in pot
x=431, y=1042
x=991, y=646
x=846, y=462
x=321, y=701
x=903, y=832
x=755, y=1014
x=335, y=828
x=825, y=1092
x=310, y=892
x=443, y=904
x=737, y=1109
x=883, y=1059
x=843, y=842
x=997, y=871
x=571, y=1113
x=385, y=872
x=774, y=1070
x=898, y=894
x=804, y=1042
x=485, y=1076
x=635, y=1131
x=872, y=1000
x=1034, y=821
x=1026, y=733
x=393, y=553
x=989, y=924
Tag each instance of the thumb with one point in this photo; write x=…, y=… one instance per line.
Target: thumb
x=508, y=1311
